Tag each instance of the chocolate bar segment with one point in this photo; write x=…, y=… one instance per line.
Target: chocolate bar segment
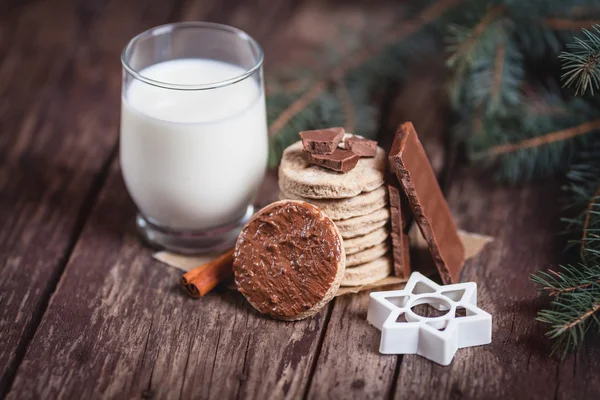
x=400, y=248
x=340, y=160
x=361, y=146
x=413, y=170
x=322, y=141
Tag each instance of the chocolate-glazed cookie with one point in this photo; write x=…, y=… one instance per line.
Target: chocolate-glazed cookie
x=289, y=260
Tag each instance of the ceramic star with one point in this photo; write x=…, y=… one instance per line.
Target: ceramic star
x=438, y=338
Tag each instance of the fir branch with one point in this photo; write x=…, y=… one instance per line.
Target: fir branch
x=361, y=72
x=297, y=106
x=425, y=17
x=566, y=24
x=581, y=64
x=584, y=188
x=540, y=137
x=571, y=319
x=545, y=139
x=588, y=216
x=576, y=288
x=575, y=306
x=496, y=80
x=499, y=69
x=570, y=278
x=464, y=41
x=488, y=68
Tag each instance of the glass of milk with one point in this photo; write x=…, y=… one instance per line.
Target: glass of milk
x=193, y=147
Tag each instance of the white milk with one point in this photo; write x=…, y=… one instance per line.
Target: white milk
x=193, y=160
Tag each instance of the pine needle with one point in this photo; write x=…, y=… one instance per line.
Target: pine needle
x=575, y=307
x=581, y=64
x=545, y=139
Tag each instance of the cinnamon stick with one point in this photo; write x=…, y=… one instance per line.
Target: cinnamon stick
x=204, y=278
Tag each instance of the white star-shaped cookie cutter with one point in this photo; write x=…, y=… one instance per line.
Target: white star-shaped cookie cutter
x=437, y=338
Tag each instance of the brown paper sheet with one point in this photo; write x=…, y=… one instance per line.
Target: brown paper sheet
x=473, y=243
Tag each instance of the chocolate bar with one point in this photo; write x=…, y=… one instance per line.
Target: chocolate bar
x=413, y=170
x=340, y=160
x=400, y=245
x=322, y=141
x=361, y=146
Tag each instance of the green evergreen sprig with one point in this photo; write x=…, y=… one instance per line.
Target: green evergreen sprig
x=521, y=124
x=575, y=307
x=575, y=288
x=581, y=64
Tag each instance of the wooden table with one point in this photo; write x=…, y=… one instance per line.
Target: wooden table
x=85, y=312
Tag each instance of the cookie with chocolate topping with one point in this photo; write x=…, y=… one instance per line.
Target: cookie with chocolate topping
x=289, y=260
x=299, y=177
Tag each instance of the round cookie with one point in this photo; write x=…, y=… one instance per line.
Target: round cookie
x=298, y=177
x=367, y=255
x=360, y=226
x=339, y=209
x=359, y=243
x=368, y=273
x=289, y=260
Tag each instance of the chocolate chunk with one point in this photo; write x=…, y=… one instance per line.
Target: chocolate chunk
x=400, y=248
x=413, y=170
x=340, y=160
x=289, y=260
x=322, y=141
x=361, y=146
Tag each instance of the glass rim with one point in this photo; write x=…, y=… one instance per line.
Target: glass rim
x=162, y=29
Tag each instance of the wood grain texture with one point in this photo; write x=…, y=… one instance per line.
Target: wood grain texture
x=349, y=363
x=120, y=322
x=125, y=314
x=118, y=325
x=517, y=360
x=56, y=103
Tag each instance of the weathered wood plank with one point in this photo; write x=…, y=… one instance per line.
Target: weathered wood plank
x=131, y=332
x=349, y=364
x=43, y=185
x=516, y=364
x=120, y=326
x=59, y=107
x=524, y=222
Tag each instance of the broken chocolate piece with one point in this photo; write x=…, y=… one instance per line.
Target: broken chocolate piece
x=413, y=170
x=361, y=146
x=289, y=260
x=340, y=160
x=400, y=248
x=322, y=141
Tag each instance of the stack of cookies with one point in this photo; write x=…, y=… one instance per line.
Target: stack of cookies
x=344, y=176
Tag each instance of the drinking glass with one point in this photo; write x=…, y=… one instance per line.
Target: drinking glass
x=193, y=142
